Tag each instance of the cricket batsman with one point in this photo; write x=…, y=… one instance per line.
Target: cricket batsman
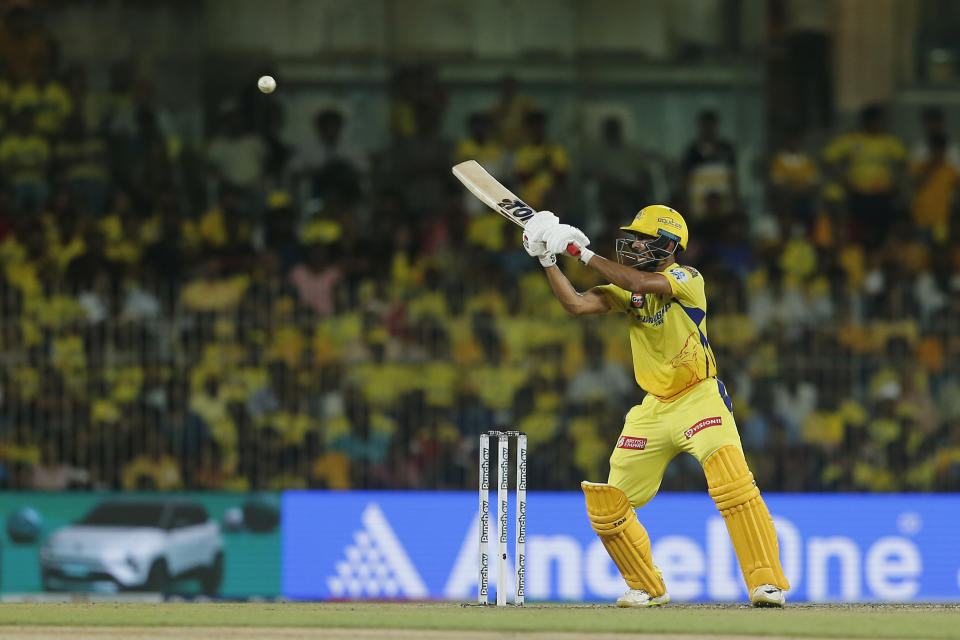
x=686, y=407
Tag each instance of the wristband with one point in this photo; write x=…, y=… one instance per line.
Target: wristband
x=586, y=255
x=548, y=260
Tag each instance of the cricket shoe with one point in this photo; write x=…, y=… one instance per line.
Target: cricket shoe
x=640, y=598
x=767, y=595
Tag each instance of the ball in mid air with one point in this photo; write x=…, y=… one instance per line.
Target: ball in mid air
x=266, y=84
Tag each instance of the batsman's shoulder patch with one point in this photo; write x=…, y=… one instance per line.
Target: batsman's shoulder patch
x=626, y=442
x=679, y=273
x=693, y=272
x=637, y=300
x=703, y=424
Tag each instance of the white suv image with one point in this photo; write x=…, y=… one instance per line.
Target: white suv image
x=127, y=544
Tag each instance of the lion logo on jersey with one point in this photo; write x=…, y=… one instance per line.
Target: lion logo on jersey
x=689, y=359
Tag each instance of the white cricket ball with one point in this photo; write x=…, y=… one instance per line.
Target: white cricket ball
x=266, y=84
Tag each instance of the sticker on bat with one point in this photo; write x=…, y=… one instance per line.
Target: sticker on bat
x=516, y=208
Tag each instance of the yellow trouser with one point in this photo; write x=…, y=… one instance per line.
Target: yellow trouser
x=654, y=432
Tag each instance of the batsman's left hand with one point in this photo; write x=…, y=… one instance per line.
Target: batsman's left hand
x=540, y=223
x=538, y=249
x=558, y=238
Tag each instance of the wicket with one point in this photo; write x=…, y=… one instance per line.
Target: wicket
x=503, y=488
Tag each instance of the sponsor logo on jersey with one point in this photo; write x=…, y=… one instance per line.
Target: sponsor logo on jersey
x=637, y=300
x=669, y=223
x=626, y=442
x=656, y=319
x=679, y=274
x=693, y=272
x=703, y=424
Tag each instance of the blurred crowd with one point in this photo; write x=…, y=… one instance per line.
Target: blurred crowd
x=253, y=313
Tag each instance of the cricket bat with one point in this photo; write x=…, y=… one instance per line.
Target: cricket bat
x=496, y=196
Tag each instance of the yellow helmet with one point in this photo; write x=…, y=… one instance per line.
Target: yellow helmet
x=660, y=220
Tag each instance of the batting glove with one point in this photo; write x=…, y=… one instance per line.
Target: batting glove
x=538, y=249
x=559, y=237
x=539, y=224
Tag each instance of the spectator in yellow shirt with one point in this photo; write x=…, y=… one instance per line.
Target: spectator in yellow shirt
x=212, y=292
x=934, y=122
x=47, y=95
x=510, y=113
x=328, y=469
x=153, y=470
x=80, y=158
x=869, y=163
x=935, y=182
x=540, y=165
x=480, y=144
x=794, y=176
x=24, y=156
x=710, y=171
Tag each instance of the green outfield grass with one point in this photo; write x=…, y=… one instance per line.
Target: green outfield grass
x=841, y=621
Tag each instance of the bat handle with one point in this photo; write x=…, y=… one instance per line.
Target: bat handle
x=573, y=250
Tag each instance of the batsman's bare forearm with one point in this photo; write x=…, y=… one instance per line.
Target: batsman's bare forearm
x=574, y=302
x=629, y=278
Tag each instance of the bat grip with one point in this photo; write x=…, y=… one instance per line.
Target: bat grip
x=573, y=250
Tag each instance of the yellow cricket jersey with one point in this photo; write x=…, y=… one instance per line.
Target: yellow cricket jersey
x=793, y=170
x=870, y=158
x=26, y=156
x=668, y=334
x=489, y=154
x=538, y=165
